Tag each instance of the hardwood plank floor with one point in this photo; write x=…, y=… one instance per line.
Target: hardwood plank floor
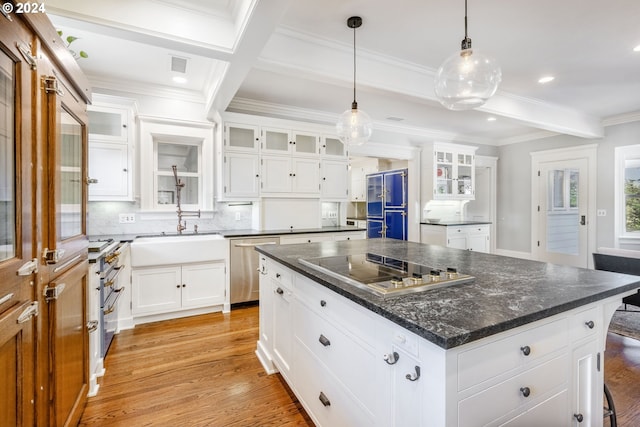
x=197, y=371
x=202, y=371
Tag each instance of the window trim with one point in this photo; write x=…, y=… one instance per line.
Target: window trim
x=622, y=154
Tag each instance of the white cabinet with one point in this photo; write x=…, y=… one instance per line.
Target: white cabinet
x=335, y=180
x=159, y=290
x=470, y=237
x=241, y=137
x=111, y=147
x=358, y=171
x=333, y=147
x=281, y=141
x=283, y=300
x=241, y=175
x=290, y=175
x=349, y=366
x=454, y=171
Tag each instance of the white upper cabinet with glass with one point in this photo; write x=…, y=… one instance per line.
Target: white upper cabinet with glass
x=111, y=148
x=278, y=141
x=241, y=137
x=333, y=147
x=453, y=172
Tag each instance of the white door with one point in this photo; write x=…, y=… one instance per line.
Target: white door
x=562, y=212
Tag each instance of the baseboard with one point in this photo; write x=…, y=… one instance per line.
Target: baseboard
x=265, y=360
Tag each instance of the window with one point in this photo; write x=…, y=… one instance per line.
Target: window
x=189, y=147
x=563, y=193
x=627, y=192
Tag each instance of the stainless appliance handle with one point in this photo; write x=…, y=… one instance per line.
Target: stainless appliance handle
x=113, y=278
x=253, y=245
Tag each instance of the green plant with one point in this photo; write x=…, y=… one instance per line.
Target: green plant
x=69, y=40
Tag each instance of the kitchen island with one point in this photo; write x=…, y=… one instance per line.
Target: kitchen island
x=519, y=344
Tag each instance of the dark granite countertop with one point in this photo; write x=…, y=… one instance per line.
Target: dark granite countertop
x=232, y=233
x=454, y=223
x=506, y=293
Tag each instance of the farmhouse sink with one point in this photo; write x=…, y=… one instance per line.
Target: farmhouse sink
x=181, y=249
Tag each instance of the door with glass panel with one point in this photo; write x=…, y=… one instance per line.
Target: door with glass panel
x=562, y=212
x=17, y=268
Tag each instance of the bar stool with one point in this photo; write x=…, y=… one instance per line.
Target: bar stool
x=610, y=409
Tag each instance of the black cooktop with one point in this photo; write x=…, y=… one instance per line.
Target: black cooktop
x=385, y=275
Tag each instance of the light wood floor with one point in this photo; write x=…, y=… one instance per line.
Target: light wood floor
x=202, y=371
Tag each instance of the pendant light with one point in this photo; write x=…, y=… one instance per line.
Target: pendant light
x=354, y=126
x=467, y=79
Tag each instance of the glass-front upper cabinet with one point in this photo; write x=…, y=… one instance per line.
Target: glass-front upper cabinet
x=7, y=160
x=64, y=126
x=333, y=147
x=109, y=123
x=241, y=137
x=454, y=170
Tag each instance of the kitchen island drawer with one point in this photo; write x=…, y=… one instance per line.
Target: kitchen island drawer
x=351, y=361
x=585, y=323
x=487, y=361
x=329, y=404
x=528, y=388
x=337, y=309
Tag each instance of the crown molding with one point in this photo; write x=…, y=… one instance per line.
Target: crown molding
x=622, y=119
x=140, y=88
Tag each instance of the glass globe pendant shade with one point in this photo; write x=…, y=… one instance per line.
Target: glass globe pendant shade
x=466, y=80
x=354, y=126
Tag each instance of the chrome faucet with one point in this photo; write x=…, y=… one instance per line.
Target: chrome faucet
x=182, y=225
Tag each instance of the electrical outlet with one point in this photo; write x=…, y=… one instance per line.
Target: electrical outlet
x=238, y=217
x=601, y=212
x=127, y=218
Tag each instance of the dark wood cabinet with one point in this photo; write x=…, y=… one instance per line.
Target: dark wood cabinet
x=43, y=243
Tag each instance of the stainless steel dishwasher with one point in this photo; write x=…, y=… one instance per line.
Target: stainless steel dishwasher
x=245, y=279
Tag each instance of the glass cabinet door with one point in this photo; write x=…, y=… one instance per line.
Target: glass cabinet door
x=64, y=126
x=70, y=209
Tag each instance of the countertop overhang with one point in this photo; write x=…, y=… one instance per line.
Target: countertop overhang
x=506, y=293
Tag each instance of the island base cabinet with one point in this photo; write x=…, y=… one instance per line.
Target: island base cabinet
x=326, y=401
x=546, y=413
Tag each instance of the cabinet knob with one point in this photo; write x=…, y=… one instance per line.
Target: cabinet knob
x=325, y=401
x=526, y=350
x=324, y=341
x=279, y=291
x=590, y=324
x=579, y=418
x=178, y=286
x=526, y=391
x=323, y=303
x=277, y=275
x=184, y=286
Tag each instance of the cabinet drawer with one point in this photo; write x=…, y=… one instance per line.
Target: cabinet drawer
x=586, y=323
x=500, y=399
x=494, y=358
x=339, y=409
x=336, y=308
x=351, y=362
x=280, y=274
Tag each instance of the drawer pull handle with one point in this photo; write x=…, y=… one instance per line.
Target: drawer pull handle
x=323, y=303
x=279, y=291
x=392, y=358
x=415, y=376
x=590, y=324
x=526, y=391
x=325, y=401
x=526, y=350
x=578, y=417
x=324, y=341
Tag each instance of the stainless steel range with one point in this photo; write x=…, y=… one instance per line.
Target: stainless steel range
x=386, y=276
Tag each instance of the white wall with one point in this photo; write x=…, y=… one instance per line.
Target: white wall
x=514, y=185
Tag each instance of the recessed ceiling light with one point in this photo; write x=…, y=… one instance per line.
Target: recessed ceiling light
x=491, y=119
x=179, y=79
x=545, y=79
x=637, y=48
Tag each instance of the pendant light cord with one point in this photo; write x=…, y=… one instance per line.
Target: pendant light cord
x=466, y=42
x=354, y=105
